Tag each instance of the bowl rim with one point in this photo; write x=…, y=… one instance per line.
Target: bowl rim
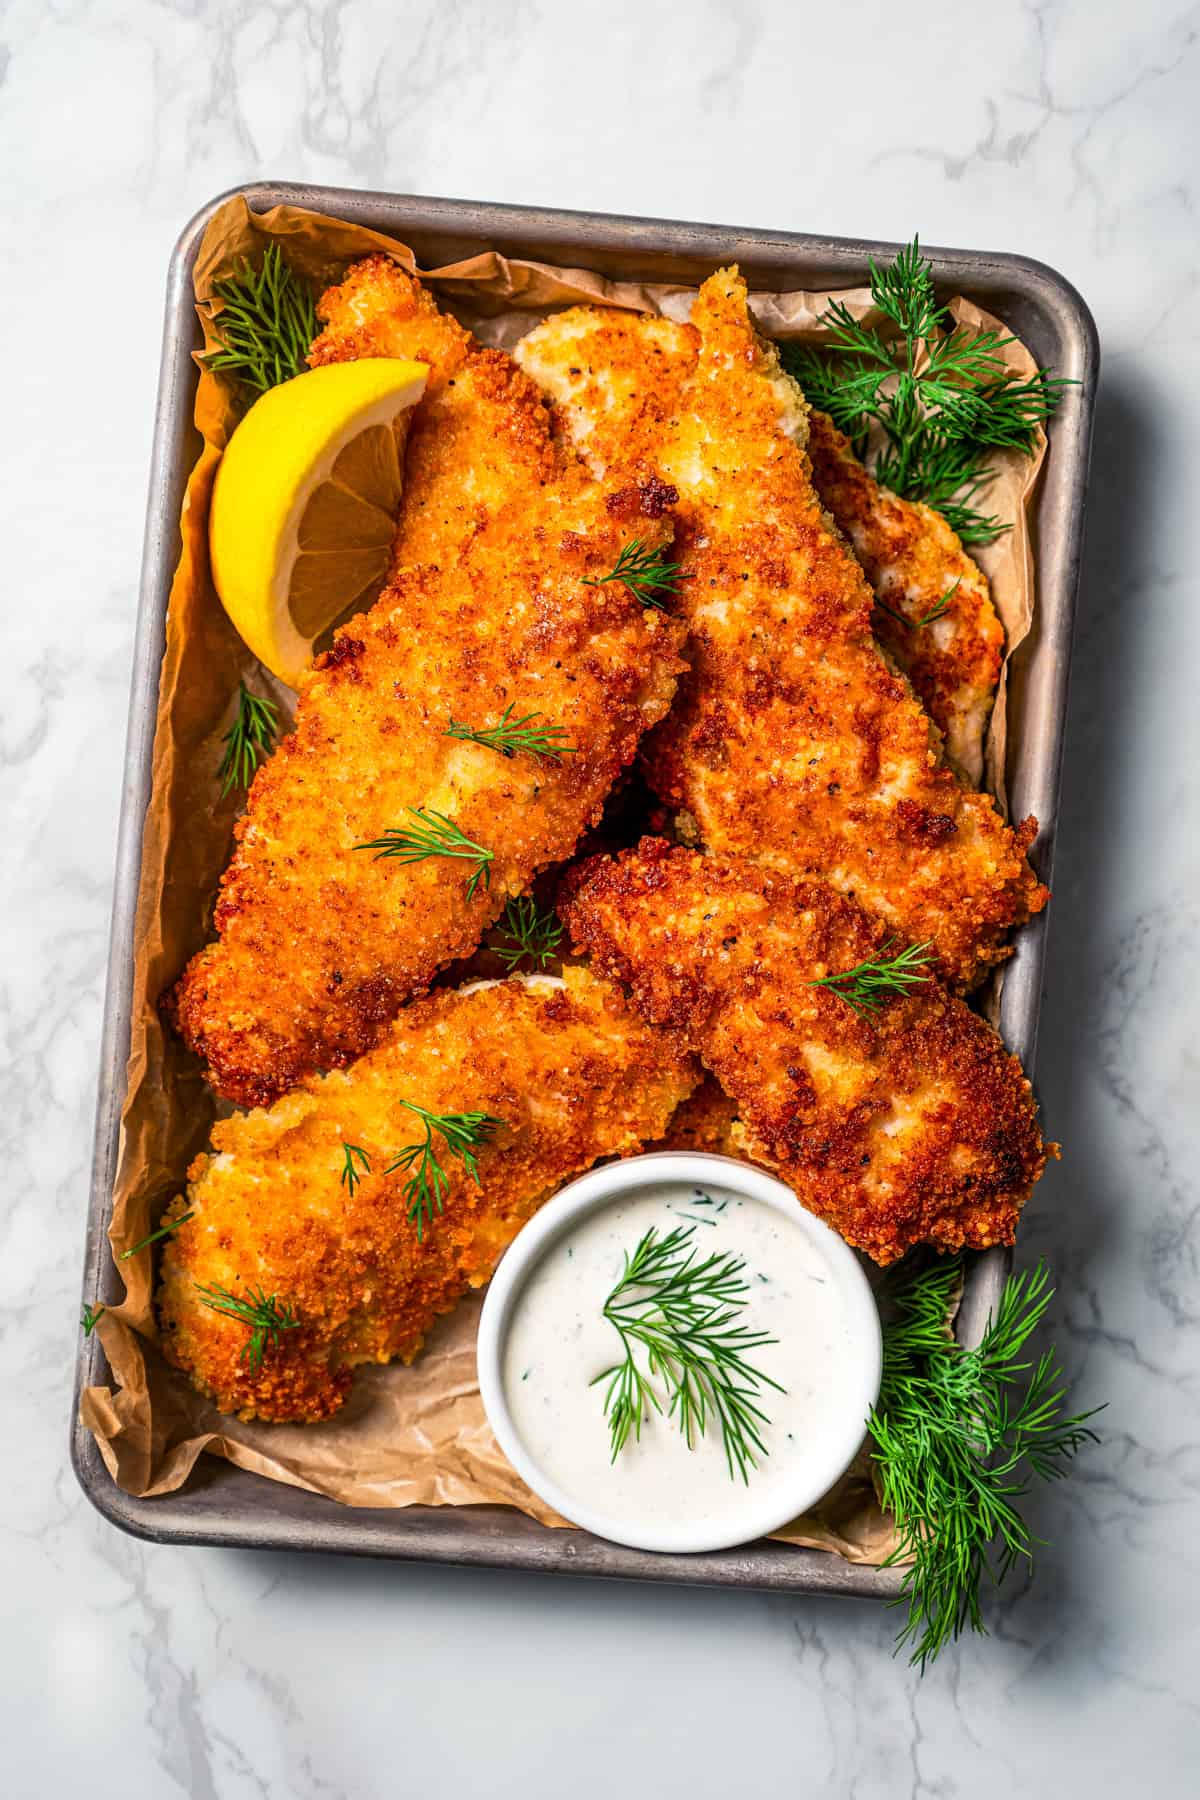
x=760, y=1514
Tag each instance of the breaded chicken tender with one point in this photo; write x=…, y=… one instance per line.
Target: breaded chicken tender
x=320, y=941
x=791, y=742
x=918, y=571
x=911, y=1125
x=567, y=1065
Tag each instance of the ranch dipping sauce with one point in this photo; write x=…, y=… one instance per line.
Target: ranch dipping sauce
x=558, y=1341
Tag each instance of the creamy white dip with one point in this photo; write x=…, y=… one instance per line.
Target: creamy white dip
x=558, y=1340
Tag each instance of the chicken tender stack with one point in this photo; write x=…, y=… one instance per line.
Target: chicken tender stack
x=567, y=1065
x=792, y=742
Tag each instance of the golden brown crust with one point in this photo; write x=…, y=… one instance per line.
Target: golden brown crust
x=319, y=943
x=913, y=1126
x=571, y=1069
x=913, y=560
x=791, y=741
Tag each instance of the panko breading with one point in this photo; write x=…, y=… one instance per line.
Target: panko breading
x=915, y=562
x=320, y=942
x=568, y=1066
x=791, y=741
x=909, y=1126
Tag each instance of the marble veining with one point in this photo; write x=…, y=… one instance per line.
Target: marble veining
x=1064, y=130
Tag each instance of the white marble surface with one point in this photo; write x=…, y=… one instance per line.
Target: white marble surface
x=1064, y=130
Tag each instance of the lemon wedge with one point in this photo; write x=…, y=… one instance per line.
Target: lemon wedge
x=304, y=505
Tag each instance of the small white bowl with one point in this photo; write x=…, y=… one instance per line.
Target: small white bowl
x=755, y=1515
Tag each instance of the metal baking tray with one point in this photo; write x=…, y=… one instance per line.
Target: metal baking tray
x=227, y=1506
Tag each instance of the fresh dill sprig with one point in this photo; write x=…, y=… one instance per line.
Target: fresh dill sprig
x=511, y=735
x=162, y=1232
x=462, y=1134
x=940, y=396
x=871, y=984
x=958, y=1436
x=935, y=612
x=681, y=1314
x=534, y=934
x=90, y=1317
x=950, y=476
x=266, y=324
x=353, y=1155
x=647, y=574
x=248, y=739
x=263, y=1313
x=434, y=835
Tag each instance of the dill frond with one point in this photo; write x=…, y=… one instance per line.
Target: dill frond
x=958, y=1437
x=512, y=735
x=680, y=1315
x=647, y=574
x=162, y=1232
x=461, y=1134
x=263, y=1313
x=266, y=324
x=941, y=397
x=871, y=984
x=249, y=739
x=434, y=834
x=534, y=934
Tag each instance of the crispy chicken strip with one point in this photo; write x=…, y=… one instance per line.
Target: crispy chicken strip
x=321, y=941
x=918, y=570
x=566, y=1064
x=909, y=1126
x=792, y=741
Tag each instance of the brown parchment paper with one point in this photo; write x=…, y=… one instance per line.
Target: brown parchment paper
x=416, y=1435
